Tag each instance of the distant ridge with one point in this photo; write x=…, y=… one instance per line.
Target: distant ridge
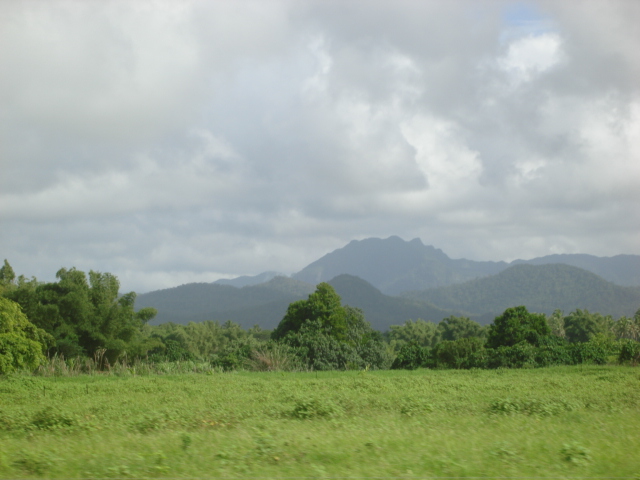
x=395, y=266
x=622, y=269
x=246, y=280
x=541, y=288
x=381, y=310
x=371, y=273
x=210, y=301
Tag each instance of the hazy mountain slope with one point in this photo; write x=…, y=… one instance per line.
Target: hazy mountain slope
x=246, y=280
x=382, y=310
x=622, y=269
x=541, y=288
x=207, y=301
x=394, y=266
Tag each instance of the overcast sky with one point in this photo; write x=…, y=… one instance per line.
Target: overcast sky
x=181, y=141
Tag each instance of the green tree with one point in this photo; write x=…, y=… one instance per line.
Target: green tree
x=517, y=325
x=556, y=324
x=628, y=328
x=22, y=344
x=421, y=333
x=582, y=326
x=465, y=352
x=329, y=336
x=323, y=305
x=454, y=328
x=7, y=277
x=83, y=313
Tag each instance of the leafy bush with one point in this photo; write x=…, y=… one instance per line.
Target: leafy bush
x=21, y=342
x=314, y=407
x=521, y=355
x=410, y=357
x=629, y=352
x=589, y=353
x=537, y=407
x=461, y=353
x=517, y=325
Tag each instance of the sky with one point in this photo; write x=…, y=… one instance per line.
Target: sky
x=170, y=142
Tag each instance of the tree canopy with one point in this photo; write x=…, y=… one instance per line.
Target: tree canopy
x=22, y=344
x=324, y=306
x=517, y=325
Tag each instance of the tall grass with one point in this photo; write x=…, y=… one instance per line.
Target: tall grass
x=556, y=422
x=58, y=366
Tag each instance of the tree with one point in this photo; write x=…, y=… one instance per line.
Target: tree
x=329, y=336
x=582, y=326
x=421, y=333
x=83, y=314
x=454, y=328
x=7, y=275
x=517, y=325
x=323, y=305
x=556, y=324
x=22, y=344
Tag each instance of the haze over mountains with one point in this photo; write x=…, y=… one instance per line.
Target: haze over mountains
x=393, y=280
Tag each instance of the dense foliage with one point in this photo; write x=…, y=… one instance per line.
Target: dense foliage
x=21, y=342
x=82, y=317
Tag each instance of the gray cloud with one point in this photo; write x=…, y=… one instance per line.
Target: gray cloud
x=185, y=141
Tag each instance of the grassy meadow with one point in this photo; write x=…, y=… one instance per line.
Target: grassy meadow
x=554, y=422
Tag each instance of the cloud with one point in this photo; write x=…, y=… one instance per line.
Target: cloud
x=176, y=142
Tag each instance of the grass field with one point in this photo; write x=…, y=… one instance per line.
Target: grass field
x=556, y=422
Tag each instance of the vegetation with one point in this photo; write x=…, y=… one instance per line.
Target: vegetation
x=90, y=390
x=556, y=423
x=542, y=289
x=22, y=344
x=81, y=318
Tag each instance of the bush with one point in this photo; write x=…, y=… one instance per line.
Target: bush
x=410, y=357
x=517, y=325
x=21, y=342
x=588, y=352
x=629, y=352
x=460, y=353
x=521, y=355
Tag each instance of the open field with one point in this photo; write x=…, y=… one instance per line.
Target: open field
x=555, y=422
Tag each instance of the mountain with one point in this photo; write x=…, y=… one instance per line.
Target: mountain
x=622, y=269
x=395, y=266
x=264, y=304
x=541, y=288
x=245, y=280
x=381, y=310
x=366, y=272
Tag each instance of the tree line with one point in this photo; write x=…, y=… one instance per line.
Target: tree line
x=84, y=316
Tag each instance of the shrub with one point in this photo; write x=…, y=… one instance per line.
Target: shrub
x=21, y=342
x=517, y=325
x=460, y=353
x=410, y=357
x=629, y=352
x=314, y=407
x=521, y=355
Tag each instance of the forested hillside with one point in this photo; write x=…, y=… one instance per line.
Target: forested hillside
x=265, y=304
x=542, y=288
x=381, y=310
x=262, y=304
x=395, y=266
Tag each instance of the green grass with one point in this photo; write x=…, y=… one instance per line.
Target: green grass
x=557, y=422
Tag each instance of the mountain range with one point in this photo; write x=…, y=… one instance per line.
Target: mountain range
x=393, y=280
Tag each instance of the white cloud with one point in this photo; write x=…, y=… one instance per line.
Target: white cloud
x=192, y=140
